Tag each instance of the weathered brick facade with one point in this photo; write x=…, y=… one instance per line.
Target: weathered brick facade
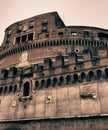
x=53, y=76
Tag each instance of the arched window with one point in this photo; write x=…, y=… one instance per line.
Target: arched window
x=5, y=71
x=15, y=88
x=60, y=34
x=42, y=83
x=75, y=76
x=61, y=80
x=5, y=89
x=1, y=90
x=48, y=82
x=76, y=42
x=42, y=44
x=14, y=71
x=106, y=72
x=68, y=79
x=69, y=42
x=83, y=76
x=54, y=81
x=99, y=74
x=36, y=84
x=61, y=43
x=26, y=89
x=57, y=42
x=91, y=76
x=10, y=89
x=39, y=44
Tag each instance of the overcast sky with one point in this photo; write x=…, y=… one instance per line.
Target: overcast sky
x=73, y=12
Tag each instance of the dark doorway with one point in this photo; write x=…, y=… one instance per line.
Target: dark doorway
x=26, y=89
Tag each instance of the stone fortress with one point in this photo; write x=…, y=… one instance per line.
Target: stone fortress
x=52, y=76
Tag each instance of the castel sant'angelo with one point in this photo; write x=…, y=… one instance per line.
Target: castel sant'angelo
x=52, y=76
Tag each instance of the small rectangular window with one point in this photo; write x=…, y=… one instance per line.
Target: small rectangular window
x=19, y=29
x=17, y=40
x=44, y=22
x=86, y=33
x=31, y=25
x=44, y=29
x=30, y=36
x=60, y=34
x=24, y=37
x=47, y=35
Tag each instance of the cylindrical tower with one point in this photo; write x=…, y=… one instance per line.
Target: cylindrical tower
x=53, y=76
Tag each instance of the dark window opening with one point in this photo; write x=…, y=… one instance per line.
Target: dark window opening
x=24, y=38
x=48, y=61
x=36, y=85
x=5, y=73
x=48, y=82
x=75, y=68
x=17, y=40
x=10, y=89
x=5, y=89
x=68, y=79
x=19, y=29
x=44, y=29
x=26, y=89
x=91, y=76
x=83, y=76
x=40, y=68
x=15, y=88
x=62, y=58
x=31, y=25
x=42, y=83
x=1, y=90
x=75, y=76
x=61, y=80
x=14, y=71
x=54, y=81
x=60, y=34
x=45, y=21
x=103, y=36
x=99, y=74
x=30, y=36
x=94, y=52
x=77, y=50
x=86, y=33
x=106, y=72
x=47, y=35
